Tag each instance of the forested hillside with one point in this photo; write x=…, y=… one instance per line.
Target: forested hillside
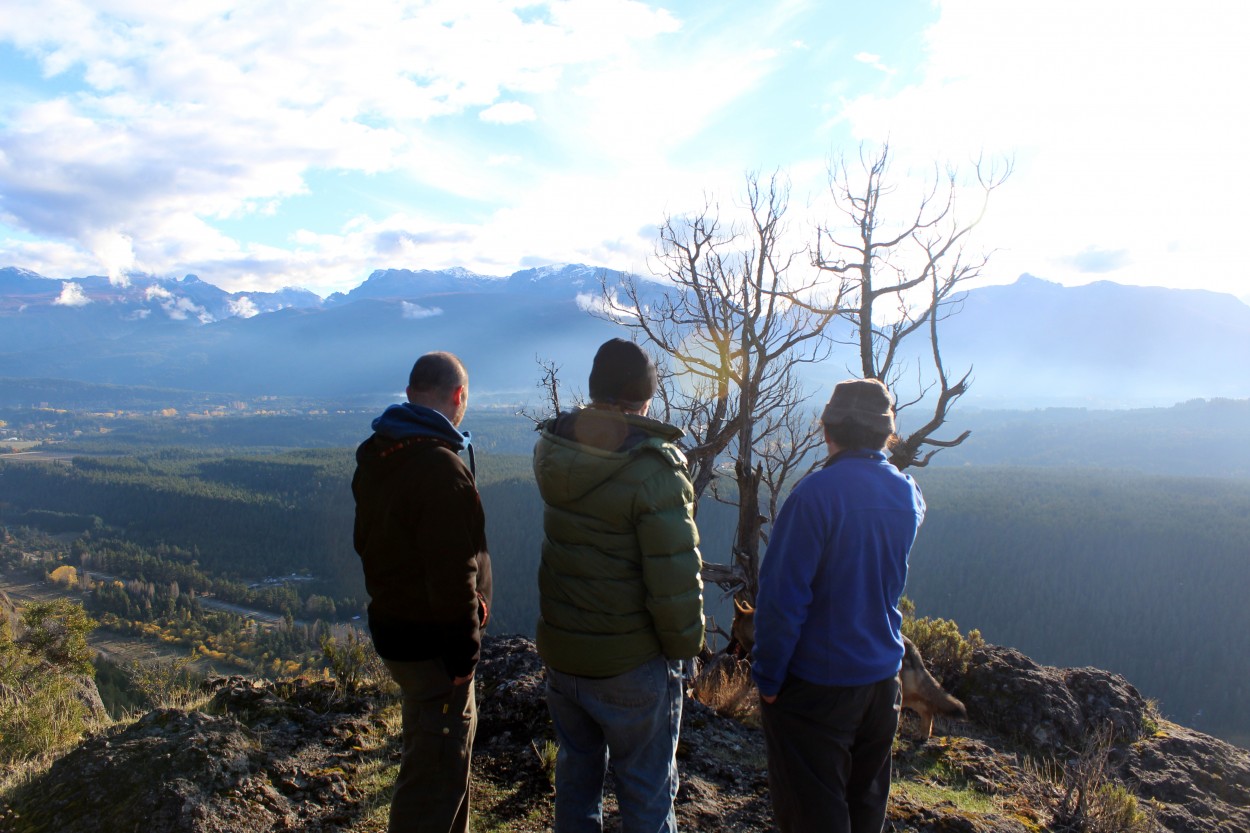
x=1186, y=439
x=1180, y=439
x=1139, y=574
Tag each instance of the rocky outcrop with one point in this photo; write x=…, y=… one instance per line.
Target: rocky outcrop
x=1196, y=783
x=1191, y=782
x=261, y=757
x=1051, y=709
x=265, y=757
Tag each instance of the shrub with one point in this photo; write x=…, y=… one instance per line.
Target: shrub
x=725, y=684
x=946, y=652
x=547, y=753
x=1115, y=810
x=1093, y=802
x=47, y=715
x=57, y=631
x=41, y=707
x=165, y=683
x=351, y=661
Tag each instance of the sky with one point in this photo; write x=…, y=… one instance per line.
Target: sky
x=266, y=144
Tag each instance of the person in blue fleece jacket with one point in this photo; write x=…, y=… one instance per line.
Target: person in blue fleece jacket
x=828, y=645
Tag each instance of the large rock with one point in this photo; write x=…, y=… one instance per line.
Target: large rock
x=262, y=762
x=1052, y=709
x=1196, y=783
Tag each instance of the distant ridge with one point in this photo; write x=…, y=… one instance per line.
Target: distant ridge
x=1035, y=343
x=1031, y=343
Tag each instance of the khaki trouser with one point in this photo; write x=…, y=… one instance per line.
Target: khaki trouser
x=432, y=790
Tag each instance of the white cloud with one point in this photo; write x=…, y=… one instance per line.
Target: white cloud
x=72, y=296
x=176, y=307
x=220, y=109
x=115, y=252
x=615, y=308
x=417, y=312
x=243, y=307
x=197, y=116
x=874, y=61
x=508, y=112
x=1119, y=117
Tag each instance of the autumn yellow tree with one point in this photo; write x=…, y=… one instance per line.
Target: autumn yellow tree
x=66, y=576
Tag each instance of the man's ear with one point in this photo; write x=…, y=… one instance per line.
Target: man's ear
x=408, y=392
x=459, y=395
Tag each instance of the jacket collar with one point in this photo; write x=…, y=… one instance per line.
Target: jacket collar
x=409, y=421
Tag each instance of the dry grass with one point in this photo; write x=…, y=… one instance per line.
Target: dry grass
x=724, y=684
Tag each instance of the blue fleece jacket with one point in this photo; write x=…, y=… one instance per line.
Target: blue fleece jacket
x=827, y=606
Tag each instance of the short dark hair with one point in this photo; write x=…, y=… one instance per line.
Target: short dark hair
x=849, y=434
x=437, y=373
x=622, y=374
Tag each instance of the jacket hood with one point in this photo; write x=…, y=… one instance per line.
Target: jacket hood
x=400, y=422
x=407, y=422
x=578, y=452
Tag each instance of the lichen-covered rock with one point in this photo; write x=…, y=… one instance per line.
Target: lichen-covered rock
x=1107, y=700
x=262, y=762
x=1196, y=783
x=1052, y=709
x=87, y=693
x=1012, y=694
x=266, y=757
x=511, y=698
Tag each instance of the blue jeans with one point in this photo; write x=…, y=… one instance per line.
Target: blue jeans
x=634, y=718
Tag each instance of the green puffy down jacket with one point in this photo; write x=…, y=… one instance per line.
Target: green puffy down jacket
x=619, y=582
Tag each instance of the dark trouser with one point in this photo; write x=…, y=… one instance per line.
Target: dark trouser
x=432, y=789
x=829, y=755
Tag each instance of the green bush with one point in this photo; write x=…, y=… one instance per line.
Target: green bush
x=945, y=650
x=1094, y=801
x=46, y=716
x=41, y=703
x=1115, y=810
x=352, y=661
x=165, y=683
x=57, y=631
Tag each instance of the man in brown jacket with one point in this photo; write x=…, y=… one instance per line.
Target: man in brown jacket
x=421, y=537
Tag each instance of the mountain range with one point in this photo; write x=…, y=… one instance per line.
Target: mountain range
x=1031, y=343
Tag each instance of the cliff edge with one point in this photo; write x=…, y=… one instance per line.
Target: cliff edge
x=1044, y=749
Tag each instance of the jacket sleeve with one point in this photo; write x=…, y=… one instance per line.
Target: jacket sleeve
x=785, y=589
x=669, y=543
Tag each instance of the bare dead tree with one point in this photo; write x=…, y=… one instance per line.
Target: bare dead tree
x=732, y=323
x=551, y=387
x=741, y=310
x=902, y=279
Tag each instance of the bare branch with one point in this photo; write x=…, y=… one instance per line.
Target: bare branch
x=926, y=251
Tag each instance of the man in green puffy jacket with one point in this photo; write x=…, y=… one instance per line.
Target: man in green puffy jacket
x=620, y=595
